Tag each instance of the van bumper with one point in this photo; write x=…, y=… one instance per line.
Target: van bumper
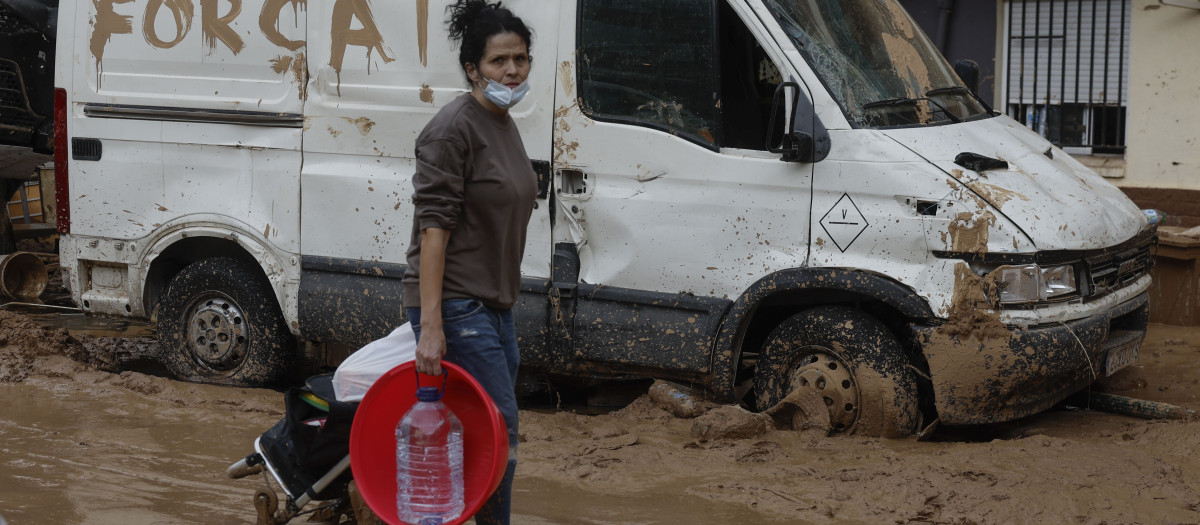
x=1002, y=379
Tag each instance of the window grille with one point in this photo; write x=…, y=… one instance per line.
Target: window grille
x=1067, y=64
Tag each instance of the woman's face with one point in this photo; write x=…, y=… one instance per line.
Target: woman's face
x=505, y=60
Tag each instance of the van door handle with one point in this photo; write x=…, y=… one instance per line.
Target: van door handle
x=572, y=181
x=542, y=169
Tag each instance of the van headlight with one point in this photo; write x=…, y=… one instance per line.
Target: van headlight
x=1030, y=283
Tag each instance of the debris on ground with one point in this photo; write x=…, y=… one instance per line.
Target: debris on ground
x=802, y=410
x=730, y=422
x=678, y=399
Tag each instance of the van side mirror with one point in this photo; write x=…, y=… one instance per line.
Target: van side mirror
x=968, y=72
x=796, y=145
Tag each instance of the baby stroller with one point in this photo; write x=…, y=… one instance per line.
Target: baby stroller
x=307, y=456
x=307, y=453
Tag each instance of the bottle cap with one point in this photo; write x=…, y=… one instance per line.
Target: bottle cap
x=428, y=393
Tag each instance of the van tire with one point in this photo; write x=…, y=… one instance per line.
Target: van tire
x=219, y=323
x=851, y=360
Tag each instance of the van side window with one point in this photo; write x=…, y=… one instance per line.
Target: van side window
x=651, y=63
x=748, y=81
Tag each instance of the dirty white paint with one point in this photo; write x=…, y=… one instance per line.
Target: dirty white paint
x=365, y=179
x=1038, y=193
x=653, y=212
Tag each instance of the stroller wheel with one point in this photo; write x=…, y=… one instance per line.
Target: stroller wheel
x=266, y=503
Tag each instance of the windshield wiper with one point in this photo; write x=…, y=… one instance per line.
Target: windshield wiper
x=959, y=90
x=910, y=101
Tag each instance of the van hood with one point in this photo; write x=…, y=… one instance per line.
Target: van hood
x=1057, y=202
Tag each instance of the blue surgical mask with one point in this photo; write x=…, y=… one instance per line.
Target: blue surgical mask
x=503, y=96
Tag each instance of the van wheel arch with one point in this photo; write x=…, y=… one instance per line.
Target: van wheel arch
x=776, y=297
x=172, y=260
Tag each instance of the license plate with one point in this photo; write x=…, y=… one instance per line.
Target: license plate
x=1121, y=357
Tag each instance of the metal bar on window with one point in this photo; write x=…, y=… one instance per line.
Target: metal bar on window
x=1121, y=82
x=1037, y=48
x=1050, y=70
x=1021, y=80
x=1104, y=140
x=1091, y=79
x=1062, y=81
x=1078, y=46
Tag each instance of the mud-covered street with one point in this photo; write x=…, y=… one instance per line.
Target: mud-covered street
x=91, y=434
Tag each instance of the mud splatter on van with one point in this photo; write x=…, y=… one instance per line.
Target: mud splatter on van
x=564, y=77
x=105, y=24
x=216, y=27
x=281, y=63
x=363, y=124
x=423, y=31
x=969, y=231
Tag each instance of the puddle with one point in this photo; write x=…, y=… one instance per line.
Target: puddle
x=539, y=501
x=77, y=323
x=103, y=456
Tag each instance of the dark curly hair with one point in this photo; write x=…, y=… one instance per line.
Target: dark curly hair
x=473, y=22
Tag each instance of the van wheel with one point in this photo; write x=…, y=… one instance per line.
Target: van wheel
x=850, y=359
x=219, y=322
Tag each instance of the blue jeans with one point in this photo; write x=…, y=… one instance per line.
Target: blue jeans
x=483, y=341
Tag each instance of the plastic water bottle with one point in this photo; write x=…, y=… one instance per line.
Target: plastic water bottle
x=429, y=462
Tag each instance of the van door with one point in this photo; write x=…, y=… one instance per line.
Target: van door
x=664, y=186
x=181, y=114
x=379, y=72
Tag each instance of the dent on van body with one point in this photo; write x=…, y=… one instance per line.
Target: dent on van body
x=1044, y=195
x=983, y=373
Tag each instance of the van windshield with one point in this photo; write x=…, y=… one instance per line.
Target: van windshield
x=872, y=57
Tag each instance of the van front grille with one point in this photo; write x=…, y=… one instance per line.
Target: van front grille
x=1110, y=272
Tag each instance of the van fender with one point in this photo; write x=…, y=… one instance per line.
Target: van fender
x=862, y=284
x=281, y=268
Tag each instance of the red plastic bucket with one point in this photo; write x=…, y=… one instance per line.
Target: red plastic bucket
x=373, y=437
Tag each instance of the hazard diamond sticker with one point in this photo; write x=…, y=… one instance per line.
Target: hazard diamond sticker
x=844, y=223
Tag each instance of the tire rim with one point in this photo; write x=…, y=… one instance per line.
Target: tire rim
x=218, y=335
x=823, y=372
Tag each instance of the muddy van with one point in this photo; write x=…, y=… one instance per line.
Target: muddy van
x=750, y=196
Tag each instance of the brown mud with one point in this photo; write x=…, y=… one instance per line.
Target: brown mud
x=90, y=434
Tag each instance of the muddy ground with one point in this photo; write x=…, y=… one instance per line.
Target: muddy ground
x=89, y=434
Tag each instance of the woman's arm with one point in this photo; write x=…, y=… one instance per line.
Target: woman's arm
x=432, y=346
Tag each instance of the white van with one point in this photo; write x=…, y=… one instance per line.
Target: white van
x=753, y=196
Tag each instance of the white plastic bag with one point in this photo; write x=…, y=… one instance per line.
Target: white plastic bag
x=359, y=371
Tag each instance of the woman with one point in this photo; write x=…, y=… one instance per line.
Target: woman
x=475, y=191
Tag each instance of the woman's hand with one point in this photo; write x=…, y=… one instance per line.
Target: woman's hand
x=432, y=346
x=430, y=350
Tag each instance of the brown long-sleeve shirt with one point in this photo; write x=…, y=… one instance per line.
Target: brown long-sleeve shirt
x=474, y=180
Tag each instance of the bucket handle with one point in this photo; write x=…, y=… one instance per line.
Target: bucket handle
x=445, y=376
